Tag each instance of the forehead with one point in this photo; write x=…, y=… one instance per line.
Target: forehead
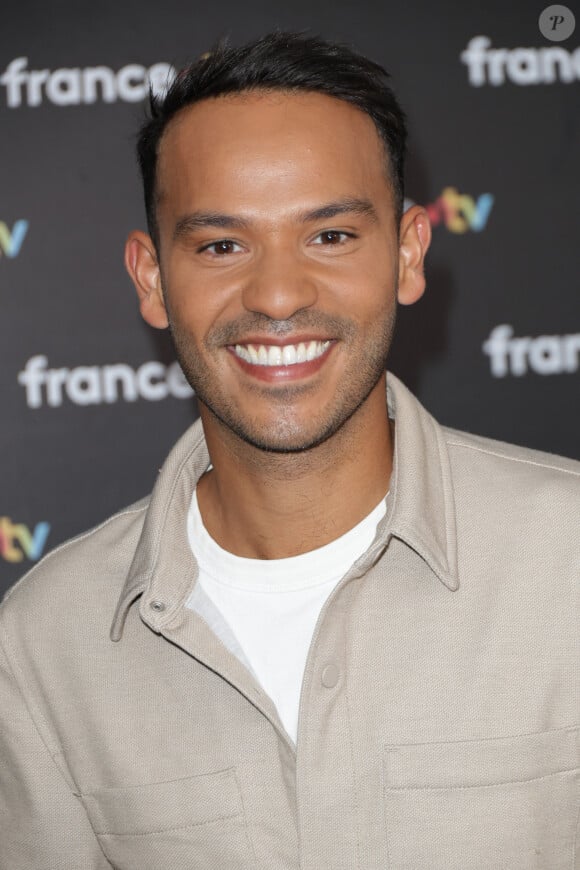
x=275, y=144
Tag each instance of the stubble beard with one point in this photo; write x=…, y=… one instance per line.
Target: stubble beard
x=361, y=377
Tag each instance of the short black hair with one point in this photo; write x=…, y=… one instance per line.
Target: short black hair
x=279, y=61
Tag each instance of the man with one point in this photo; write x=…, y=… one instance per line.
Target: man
x=337, y=635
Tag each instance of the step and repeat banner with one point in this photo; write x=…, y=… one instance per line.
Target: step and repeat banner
x=92, y=399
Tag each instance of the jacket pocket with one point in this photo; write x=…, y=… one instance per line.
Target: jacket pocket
x=483, y=804
x=197, y=822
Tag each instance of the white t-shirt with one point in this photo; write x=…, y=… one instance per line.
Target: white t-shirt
x=272, y=605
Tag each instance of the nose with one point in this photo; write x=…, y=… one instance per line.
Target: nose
x=279, y=285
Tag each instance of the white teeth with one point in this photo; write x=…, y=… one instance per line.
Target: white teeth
x=273, y=355
x=311, y=350
x=289, y=355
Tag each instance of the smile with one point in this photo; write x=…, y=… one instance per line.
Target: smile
x=287, y=355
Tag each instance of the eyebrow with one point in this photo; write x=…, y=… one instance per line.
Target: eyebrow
x=348, y=205
x=199, y=220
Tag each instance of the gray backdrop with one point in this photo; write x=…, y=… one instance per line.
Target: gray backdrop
x=91, y=399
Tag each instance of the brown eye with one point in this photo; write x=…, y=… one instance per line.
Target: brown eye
x=331, y=237
x=225, y=247
x=222, y=248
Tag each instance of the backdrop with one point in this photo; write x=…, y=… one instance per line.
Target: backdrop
x=92, y=399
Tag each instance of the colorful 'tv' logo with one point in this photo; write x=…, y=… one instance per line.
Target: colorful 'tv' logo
x=11, y=239
x=18, y=541
x=459, y=212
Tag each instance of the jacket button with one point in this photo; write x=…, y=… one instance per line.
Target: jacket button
x=157, y=606
x=330, y=676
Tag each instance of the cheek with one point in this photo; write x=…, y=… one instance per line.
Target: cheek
x=368, y=293
x=197, y=296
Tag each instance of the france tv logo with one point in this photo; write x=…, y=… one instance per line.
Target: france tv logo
x=75, y=86
x=459, y=212
x=18, y=542
x=12, y=238
x=520, y=66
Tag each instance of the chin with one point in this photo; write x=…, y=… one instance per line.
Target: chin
x=285, y=439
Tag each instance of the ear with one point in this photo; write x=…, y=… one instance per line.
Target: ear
x=143, y=268
x=414, y=241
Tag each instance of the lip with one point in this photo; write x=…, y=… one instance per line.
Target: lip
x=281, y=374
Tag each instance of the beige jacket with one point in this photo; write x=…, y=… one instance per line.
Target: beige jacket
x=440, y=706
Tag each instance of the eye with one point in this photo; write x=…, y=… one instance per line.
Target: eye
x=332, y=237
x=221, y=248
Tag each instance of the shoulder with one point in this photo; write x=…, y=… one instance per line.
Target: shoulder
x=91, y=565
x=513, y=473
x=509, y=455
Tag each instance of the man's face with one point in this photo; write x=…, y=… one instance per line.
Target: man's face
x=279, y=262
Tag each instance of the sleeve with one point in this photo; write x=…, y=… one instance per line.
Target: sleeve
x=43, y=825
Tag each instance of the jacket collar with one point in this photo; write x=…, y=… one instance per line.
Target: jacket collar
x=422, y=505
x=421, y=513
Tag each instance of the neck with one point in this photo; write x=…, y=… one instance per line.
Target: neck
x=265, y=505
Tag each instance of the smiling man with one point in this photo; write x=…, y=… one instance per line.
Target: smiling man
x=277, y=263
x=337, y=635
